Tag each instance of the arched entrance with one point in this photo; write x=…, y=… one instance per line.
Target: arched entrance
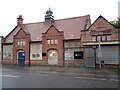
x=52, y=57
x=21, y=57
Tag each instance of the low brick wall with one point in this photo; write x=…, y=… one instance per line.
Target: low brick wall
x=73, y=62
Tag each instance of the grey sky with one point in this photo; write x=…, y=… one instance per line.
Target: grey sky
x=34, y=10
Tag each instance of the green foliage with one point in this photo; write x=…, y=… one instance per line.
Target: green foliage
x=116, y=23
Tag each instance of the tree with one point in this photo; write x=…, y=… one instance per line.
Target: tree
x=116, y=23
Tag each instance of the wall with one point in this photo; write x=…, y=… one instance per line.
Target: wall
x=52, y=34
x=100, y=27
x=21, y=41
x=70, y=47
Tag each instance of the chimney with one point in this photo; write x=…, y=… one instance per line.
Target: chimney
x=20, y=20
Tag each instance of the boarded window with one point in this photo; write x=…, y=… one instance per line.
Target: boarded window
x=36, y=51
x=35, y=55
x=69, y=55
x=7, y=52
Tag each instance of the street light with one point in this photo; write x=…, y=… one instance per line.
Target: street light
x=94, y=48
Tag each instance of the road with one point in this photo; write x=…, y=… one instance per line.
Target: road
x=24, y=77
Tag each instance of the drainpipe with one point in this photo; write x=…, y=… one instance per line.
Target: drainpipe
x=63, y=55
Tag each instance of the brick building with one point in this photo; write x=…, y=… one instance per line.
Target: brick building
x=51, y=42
x=106, y=39
x=61, y=42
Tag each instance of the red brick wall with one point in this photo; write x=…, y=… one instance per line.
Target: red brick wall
x=53, y=33
x=99, y=26
x=21, y=36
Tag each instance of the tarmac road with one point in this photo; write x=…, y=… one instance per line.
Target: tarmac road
x=57, y=77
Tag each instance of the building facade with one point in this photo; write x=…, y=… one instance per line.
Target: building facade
x=51, y=42
x=64, y=42
x=106, y=39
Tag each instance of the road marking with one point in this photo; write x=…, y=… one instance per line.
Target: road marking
x=114, y=80
x=98, y=78
x=39, y=74
x=9, y=76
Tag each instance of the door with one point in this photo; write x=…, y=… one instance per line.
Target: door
x=52, y=57
x=21, y=58
x=89, y=57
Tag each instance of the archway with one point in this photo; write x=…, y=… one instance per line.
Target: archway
x=52, y=57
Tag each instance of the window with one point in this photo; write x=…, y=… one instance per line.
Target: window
x=78, y=55
x=48, y=41
x=103, y=38
x=55, y=41
x=20, y=43
x=43, y=54
x=52, y=41
x=23, y=42
x=98, y=38
x=93, y=38
x=108, y=37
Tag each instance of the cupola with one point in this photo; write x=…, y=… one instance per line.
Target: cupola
x=49, y=17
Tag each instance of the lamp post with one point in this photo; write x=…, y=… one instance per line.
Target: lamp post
x=94, y=48
x=99, y=53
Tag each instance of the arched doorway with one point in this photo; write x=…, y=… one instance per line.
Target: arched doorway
x=52, y=57
x=21, y=57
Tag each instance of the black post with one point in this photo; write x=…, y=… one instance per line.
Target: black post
x=63, y=55
x=29, y=54
x=94, y=48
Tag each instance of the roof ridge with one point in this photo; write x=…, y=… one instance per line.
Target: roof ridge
x=58, y=19
x=72, y=17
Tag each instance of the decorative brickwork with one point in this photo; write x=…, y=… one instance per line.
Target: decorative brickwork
x=53, y=34
x=21, y=42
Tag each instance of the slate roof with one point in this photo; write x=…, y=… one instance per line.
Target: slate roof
x=70, y=26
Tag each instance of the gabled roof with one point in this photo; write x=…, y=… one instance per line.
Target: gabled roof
x=98, y=19
x=70, y=26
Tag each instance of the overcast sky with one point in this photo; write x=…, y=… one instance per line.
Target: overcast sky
x=34, y=10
